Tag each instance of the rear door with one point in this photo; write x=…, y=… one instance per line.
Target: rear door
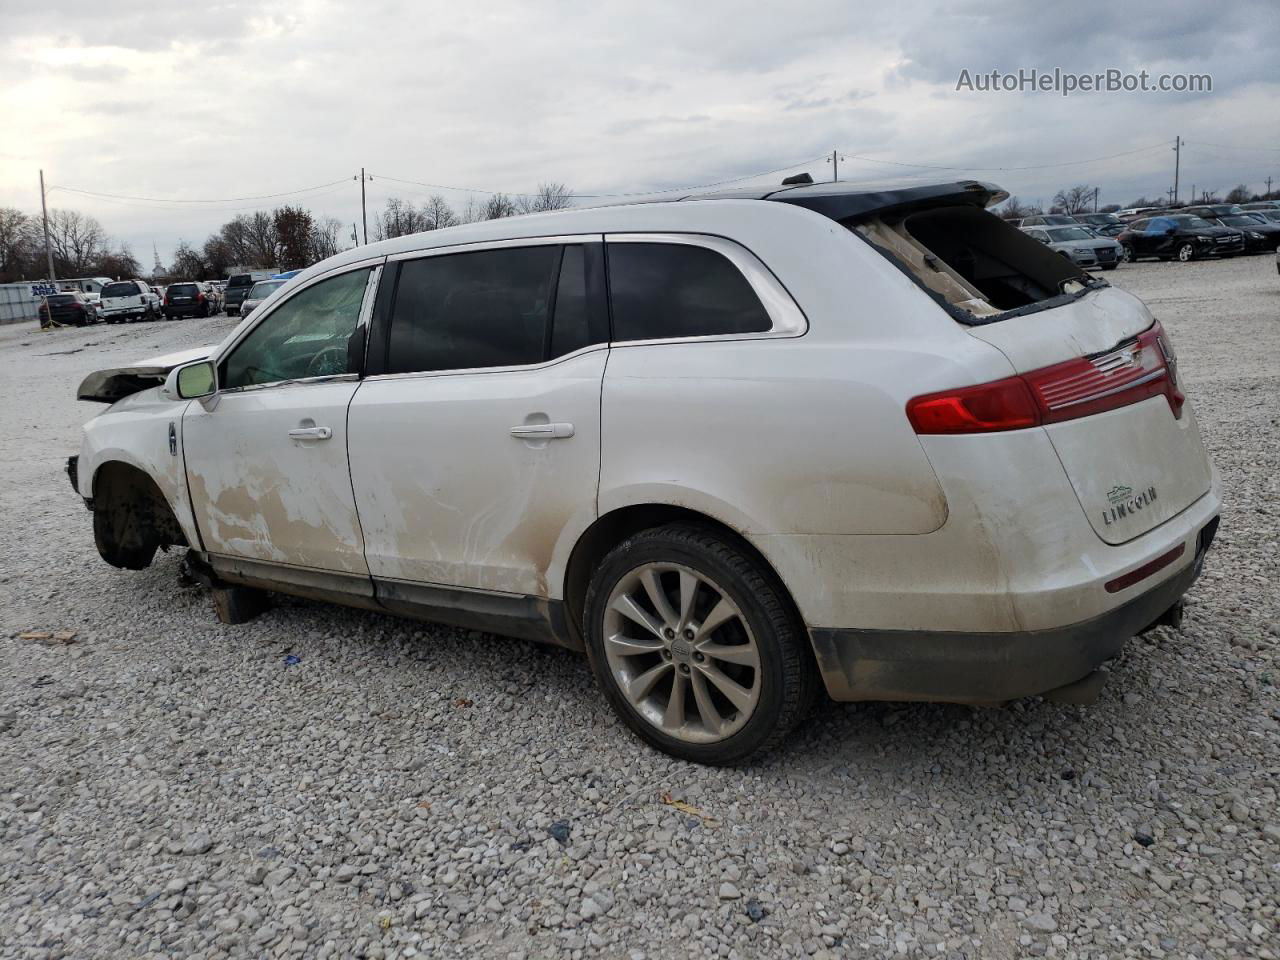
x=1134, y=466
x=475, y=436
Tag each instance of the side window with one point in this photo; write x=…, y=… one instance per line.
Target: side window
x=1139, y=226
x=572, y=327
x=306, y=336
x=662, y=290
x=466, y=310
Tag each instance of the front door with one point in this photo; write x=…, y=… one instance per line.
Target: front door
x=477, y=451
x=266, y=457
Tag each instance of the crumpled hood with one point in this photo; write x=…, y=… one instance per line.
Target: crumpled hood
x=110, y=385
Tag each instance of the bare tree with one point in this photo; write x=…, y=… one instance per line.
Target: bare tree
x=325, y=232
x=1077, y=199
x=1014, y=209
x=437, y=214
x=15, y=244
x=550, y=196
x=187, y=263
x=1239, y=194
x=119, y=263
x=77, y=241
x=498, y=205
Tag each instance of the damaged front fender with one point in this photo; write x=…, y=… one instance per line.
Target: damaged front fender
x=116, y=383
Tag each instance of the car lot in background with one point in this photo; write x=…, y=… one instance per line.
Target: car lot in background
x=125, y=300
x=1049, y=220
x=1178, y=236
x=1103, y=224
x=1079, y=244
x=1260, y=234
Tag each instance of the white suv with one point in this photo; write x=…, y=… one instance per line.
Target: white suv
x=737, y=448
x=124, y=300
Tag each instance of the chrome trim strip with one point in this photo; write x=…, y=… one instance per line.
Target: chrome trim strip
x=495, y=245
x=468, y=371
x=1153, y=375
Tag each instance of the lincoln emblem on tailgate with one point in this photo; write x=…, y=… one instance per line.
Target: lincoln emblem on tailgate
x=1124, y=502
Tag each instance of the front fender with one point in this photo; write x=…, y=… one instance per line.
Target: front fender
x=135, y=431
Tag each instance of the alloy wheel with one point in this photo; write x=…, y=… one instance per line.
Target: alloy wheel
x=1185, y=252
x=681, y=652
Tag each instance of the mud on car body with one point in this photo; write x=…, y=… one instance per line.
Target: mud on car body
x=643, y=432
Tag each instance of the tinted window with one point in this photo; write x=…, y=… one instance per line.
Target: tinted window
x=305, y=336
x=661, y=290
x=1140, y=225
x=120, y=290
x=183, y=290
x=62, y=299
x=572, y=327
x=241, y=280
x=464, y=310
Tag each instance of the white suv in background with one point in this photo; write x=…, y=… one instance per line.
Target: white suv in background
x=739, y=448
x=124, y=300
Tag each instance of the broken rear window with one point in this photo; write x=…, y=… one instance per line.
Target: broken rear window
x=977, y=265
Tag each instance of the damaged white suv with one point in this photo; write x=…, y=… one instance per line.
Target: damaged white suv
x=738, y=448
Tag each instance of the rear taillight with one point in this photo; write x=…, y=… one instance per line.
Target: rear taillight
x=1077, y=388
x=199, y=298
x=167, y=301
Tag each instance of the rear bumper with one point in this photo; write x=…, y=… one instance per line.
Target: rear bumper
x=989, y=667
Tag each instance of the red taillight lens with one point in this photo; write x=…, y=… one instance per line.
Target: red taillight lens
x=167, y=301
x=199, y=298
x=1002, y=405
x=1077, y=388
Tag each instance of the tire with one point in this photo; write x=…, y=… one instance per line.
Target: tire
x=1186, y=253
x=1130, y=254
x=762, y=644
x=1109, y=266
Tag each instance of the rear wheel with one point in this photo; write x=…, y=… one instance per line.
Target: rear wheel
x=1186, y=252
x=1130, y=255
x=696, y=645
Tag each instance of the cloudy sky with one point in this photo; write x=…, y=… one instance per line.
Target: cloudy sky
x=146, y=98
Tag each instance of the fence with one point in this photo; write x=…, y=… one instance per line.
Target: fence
x=19, y=302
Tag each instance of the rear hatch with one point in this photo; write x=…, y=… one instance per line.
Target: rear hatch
x=1132, y=466
x=181, y=294
x=117, y=296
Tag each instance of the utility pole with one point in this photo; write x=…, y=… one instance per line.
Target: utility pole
x=48, y=250
x=835, y=166
x=364, y=214
x=1193, y=193
x=1268, y=188
x=1177, y=166
x=1095, y=199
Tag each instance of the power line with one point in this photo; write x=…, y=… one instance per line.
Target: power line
x=1230, y=147
x=264, y=196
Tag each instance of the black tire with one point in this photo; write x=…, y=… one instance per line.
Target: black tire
x=121, y=534
x=1130, y=254
x=1109, y=266
x=1186, y=252
x=789, y=679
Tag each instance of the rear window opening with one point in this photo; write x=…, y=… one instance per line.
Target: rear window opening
x=119, y=290
x=976, y=265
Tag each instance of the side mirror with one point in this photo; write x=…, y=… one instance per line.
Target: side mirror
x=191, y=382
x=1170, y=230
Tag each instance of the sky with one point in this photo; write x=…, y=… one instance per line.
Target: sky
x=153, y=99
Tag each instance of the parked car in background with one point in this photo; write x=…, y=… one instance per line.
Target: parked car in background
x=214, y=294
x=575, y=428
x=1261, y=205
x=1183, y=236
x=1079, y=245
x=68, y=309
x=186, y=299
x=1133, y=213
x=259, y=292
x=1050, y=220
x=125, y=300
x=1103, y=224
x=238, y=287
x=1208, y=210
x=1260, y=235
x=1269, y=216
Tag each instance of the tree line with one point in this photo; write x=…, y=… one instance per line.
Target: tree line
x=80, y=247
x=1082, y=197
x=286, y=238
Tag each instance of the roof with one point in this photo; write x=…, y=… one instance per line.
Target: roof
x=842, y=201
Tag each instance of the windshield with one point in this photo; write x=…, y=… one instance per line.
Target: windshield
x=241, y=280
x=1069, y=233
x=120, y=290
x=1240, y=221
x=1273, y=215
x=182, y=290
x=262, y=289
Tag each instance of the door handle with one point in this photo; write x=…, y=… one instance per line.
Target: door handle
x=310, y=433
x=543, y=431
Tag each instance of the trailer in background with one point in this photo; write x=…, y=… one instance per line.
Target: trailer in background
x=20, y=302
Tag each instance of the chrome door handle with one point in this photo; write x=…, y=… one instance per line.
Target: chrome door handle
x=543, y=431
x=310, y=433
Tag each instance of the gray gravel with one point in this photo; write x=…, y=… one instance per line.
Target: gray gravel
x=171, y=788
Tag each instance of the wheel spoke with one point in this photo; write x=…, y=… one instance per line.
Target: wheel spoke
x=720, y=614
x=673, y=716
x=658, y=597
x=736, y=694
x=639, y=688
x=688, y=593
x=711, y=718
x=625, y=646
x=743, y=653
x=633, y=611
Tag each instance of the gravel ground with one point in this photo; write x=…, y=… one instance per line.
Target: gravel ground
x=173, y=787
